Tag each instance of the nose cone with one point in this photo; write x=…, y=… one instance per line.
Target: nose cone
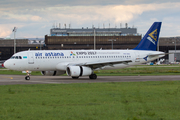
x=6, y=64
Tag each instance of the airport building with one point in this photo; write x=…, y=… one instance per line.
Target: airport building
x=85, y=38
x=170, y=45
x=7, y=46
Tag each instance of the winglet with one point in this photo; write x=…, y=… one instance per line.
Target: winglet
x=150, y=40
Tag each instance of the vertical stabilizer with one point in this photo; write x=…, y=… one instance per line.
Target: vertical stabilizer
x=150, y=40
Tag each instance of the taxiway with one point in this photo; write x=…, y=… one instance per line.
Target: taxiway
x=19, y=79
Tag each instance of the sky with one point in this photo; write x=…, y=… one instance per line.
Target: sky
x=34, y=19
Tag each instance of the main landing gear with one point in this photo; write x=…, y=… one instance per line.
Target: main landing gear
x=93, y=76
x=75, y=77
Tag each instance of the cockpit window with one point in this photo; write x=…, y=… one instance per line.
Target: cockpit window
x=12, y=57
x=16, y=57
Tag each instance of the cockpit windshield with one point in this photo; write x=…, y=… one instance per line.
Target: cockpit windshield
x=16, y=57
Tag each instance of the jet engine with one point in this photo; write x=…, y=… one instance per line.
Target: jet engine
x=76, y=71
x=52, y=73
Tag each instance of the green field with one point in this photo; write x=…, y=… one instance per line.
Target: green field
x=91, y=101
x=135, y=70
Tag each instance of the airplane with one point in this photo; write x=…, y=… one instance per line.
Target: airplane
x=77, y=63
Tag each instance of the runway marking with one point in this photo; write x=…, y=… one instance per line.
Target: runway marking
x=43, y=82
x=7, y=77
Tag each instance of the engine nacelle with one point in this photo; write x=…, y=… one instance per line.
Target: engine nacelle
x=52, y=73
x=76, y=71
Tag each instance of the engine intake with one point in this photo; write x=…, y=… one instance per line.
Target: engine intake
x=76, y=71
x=52, y=73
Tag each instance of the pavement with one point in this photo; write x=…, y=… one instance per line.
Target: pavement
x=20, y=79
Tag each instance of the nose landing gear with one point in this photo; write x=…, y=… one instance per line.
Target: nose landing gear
x=27, y=78
x=28, y=74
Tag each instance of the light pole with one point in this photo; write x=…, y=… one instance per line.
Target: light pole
x=14, y=30
x=175, y=49
x=94, y=39
x=158, y=50
x=112, y=42
x=40, y=44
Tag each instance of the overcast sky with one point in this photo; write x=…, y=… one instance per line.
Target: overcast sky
x=35, y=18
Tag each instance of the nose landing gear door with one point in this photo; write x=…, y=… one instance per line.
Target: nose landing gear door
x=30, y=58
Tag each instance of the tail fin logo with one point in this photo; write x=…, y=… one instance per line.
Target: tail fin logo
x=153, y=37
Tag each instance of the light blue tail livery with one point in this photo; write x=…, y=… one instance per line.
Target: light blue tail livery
x=150, y=40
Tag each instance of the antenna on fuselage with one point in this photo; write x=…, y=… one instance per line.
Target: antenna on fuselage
x=29, y=49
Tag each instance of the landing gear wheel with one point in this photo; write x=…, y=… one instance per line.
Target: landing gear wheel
x=93, y=76
x=75, y=77
x=27, y=78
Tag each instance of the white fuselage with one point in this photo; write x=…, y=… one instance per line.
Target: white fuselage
x=52, y=60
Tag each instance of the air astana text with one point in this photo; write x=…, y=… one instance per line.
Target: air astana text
x=49, y=54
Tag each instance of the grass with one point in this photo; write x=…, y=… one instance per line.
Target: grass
x=132, y=71
x=92, y=101
x=142, y=70
x=13, y=72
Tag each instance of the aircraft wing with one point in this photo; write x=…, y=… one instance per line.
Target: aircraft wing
x=98, y=64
